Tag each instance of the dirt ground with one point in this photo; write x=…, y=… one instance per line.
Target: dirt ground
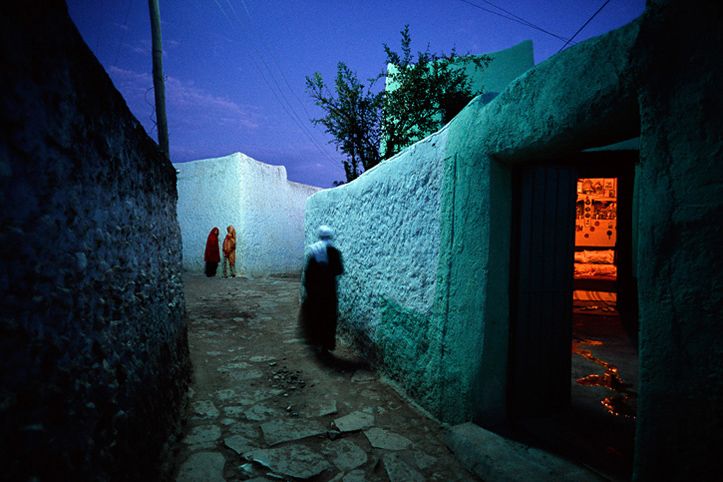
x=264, y=407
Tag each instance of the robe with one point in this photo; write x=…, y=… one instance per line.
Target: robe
x=319, y=306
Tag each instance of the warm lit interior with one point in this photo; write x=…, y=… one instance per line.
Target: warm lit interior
x=595, y=237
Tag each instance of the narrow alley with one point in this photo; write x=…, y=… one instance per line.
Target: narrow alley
x=263, y=407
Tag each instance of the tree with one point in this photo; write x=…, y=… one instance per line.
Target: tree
x=353, y=117
x=421, y=95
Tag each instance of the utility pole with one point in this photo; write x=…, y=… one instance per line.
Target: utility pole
x=158, y=85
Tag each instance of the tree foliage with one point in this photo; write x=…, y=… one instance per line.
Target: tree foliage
x=422, y=94
x=353, y=117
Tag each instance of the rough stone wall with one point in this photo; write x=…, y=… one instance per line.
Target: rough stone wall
x=680, y=424
x=387, y=228
x=265, y=208
x=93, y=352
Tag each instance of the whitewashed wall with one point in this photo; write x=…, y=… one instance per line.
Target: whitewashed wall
x=387, y=222
x=266, y=209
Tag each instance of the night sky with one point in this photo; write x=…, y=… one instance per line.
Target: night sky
x=235, y=69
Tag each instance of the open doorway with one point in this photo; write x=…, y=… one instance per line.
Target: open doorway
x=573, y=332
x=604, y=365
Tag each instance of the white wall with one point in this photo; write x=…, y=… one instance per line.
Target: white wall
x=386, y=223
x=257, y=199
x=506, y=66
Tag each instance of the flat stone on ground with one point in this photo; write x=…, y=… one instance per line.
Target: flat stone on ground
x=239, y=444
x=278, y=431
x=347, y=455
x=203, y=433
x=361, y=376
x=355, y=476
x=400, y=471
x=259, y=413
x=291, y=460
x=354, y=421
x=205, y=409
x=262, y=358
x=327, y=407
x=202, y=467
x=384, y=439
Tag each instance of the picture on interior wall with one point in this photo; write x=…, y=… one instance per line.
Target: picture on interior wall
x=596, y=234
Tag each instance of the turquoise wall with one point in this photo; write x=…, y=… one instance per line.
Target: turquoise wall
x=654, y=78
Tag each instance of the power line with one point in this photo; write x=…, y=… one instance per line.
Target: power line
x=278, y=66
x=300, y=122
x=123, y=32
x=285, y=104
x=515, y=18
x=585, y=25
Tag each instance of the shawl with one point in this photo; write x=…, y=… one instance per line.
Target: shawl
x=318, y=249
x=229, y=243
x=212, y=254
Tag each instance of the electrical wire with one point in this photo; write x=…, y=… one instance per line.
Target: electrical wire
x=123, y=32
x=279, y=67
x=515, y=18
x=584, y=25
x=285, y=104
x=300, y=121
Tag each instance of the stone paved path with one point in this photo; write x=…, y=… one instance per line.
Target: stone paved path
x=263, y=407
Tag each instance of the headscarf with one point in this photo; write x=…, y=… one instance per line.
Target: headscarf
x=212, y=254
x=229, y=243
x=318, y=249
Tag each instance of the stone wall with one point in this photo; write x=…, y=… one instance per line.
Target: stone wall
x=266, y=209
x=93, y=351
x=680, y=426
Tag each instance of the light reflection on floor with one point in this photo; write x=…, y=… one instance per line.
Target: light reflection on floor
x=624, y=403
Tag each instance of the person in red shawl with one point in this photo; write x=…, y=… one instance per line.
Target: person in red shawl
x=212, y=256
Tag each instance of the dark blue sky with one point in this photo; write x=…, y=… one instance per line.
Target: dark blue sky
x=235, y=69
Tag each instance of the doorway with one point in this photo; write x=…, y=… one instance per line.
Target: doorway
x=573, y=369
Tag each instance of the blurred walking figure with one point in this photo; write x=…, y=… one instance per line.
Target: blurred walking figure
x=322, y=265
x=212, y=255
x=229, y=252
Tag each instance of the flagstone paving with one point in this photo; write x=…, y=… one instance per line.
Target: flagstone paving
x=264, y=408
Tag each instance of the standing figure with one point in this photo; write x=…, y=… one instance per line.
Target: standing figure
x=212, y=256
x=319, y=305
x=229, y=251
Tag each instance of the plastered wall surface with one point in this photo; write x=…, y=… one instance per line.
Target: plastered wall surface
x=402, y=316
x=506, y=66
x=396, y=225
x=266, y=209
x=386, y=223
x=680, y=266
x=641, y=79
x=93, y=351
